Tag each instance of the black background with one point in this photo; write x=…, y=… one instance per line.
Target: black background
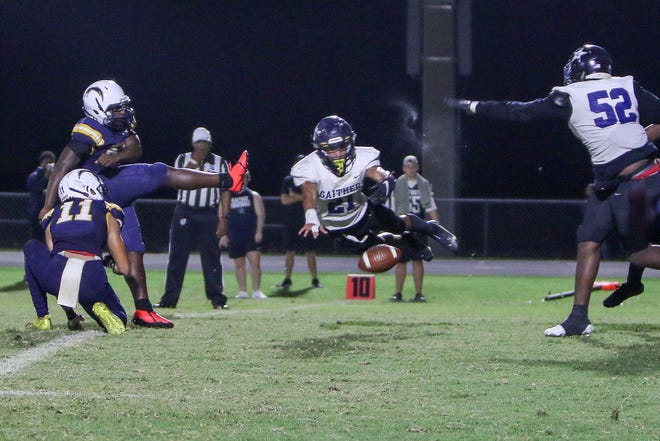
x=260, y=75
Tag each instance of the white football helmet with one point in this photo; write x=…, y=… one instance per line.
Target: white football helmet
x=81, y=184
x=106, y=102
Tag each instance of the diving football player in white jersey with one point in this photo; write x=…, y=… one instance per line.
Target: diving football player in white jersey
x=336, y=202
x=606, y=113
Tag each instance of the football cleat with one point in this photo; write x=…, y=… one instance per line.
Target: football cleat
x=442, y=235
x=163, y=305
x=150, y=319
x=75, y=323
x=419, y=298
x=43, y=323
x=286, y=283
x=560, y=331
x=316, y=283
x=112, y=324
x=625, y=291
x=396, y=298
x=242, y=295
x=237, y=172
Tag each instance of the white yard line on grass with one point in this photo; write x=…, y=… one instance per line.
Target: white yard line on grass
x=38, y=353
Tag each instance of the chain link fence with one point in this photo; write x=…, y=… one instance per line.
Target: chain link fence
x=489, y=228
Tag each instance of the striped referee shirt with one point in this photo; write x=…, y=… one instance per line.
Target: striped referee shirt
x=203, y=197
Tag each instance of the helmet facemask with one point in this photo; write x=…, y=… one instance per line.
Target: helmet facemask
x=334, y=141
x=338, y=155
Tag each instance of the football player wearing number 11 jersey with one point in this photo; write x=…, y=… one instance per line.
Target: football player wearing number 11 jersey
x=607, y=114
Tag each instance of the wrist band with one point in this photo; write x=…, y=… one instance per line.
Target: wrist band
x=312, y=217
x=472, y=107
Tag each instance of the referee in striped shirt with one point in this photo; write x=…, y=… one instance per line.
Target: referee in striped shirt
x=196, y=221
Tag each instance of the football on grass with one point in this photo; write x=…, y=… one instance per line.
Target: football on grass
x=379, y=258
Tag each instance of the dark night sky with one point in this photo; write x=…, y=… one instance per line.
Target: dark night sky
x=260, y=75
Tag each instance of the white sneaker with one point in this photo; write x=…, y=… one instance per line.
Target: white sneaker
x=559, y=331
x=242, y=295
x=259, y=295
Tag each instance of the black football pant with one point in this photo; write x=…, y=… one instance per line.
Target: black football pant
x=192, y=227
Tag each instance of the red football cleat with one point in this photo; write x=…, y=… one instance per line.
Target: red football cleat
x=150, y=319
x=237, y=172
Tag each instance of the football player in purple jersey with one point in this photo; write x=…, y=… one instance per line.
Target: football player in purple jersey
x=69, y=264
x=105, y=142
x=607, y=114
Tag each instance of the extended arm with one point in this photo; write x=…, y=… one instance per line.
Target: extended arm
x=553, y=106
x=312, y=222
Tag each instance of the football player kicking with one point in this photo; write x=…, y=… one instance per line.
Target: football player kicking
x=606, y=113
x=336, y=203
x=105, y=142
x=69, y=264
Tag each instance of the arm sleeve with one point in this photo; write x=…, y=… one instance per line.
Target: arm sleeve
x=649, y=105
x=541, y=108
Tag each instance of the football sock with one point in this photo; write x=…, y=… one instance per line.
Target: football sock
x=634, y=275
x=577, y=320
x=143, y=304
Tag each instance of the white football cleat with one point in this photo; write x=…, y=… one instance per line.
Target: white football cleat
x=242, y=295
x=559, y=331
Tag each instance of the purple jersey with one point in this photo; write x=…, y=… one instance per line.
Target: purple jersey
x=91, y=139
x=75, y=225
x=80, y=225
x=125, y=183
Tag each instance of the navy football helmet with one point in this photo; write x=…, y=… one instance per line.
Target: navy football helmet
x=587, y=62
x=334, y=141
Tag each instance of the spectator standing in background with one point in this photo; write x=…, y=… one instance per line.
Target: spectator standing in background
x=37, y=181
x=196, y=221
x=294, y=216
x=244, y=235
x=412, y=194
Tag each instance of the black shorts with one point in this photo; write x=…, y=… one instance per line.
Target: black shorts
x=241, y=242
x=407, y=255
x=293, y=241
x=629, y=212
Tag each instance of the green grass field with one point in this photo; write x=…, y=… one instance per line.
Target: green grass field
x=470, y=364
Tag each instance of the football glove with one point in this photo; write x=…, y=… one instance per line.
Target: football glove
x=462, y=104
x=109, y=262
x=379, y=192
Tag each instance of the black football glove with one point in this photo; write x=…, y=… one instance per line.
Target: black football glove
x=461, y=104
x=109, y=262
x=379, y=192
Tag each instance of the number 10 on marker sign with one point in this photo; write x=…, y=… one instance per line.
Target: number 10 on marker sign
x=360, y=287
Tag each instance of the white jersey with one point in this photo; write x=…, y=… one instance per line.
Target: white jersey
x=605, y=117
x=340, y=202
